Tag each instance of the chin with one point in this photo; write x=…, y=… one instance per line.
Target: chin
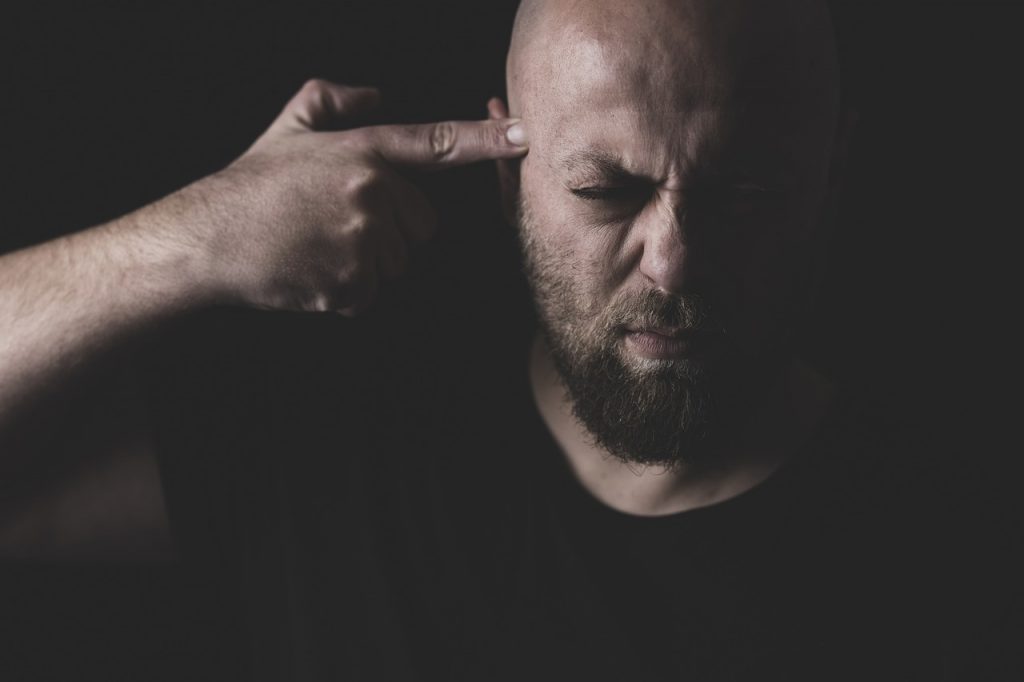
x=645, y=411
x=639, y=365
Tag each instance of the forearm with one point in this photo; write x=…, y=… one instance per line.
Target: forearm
x=67, y=304
x=305, y=220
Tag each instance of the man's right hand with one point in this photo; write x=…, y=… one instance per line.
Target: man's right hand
x=313, y=219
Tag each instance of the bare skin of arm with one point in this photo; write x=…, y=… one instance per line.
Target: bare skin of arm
x=305, y=220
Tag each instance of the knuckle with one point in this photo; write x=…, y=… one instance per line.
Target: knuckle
x=442, y=140
x=360, y=184
x=494, y=136
x=358, y=228
x=314, y=85
x=319, y=303
x=349, y=281
x=358, y=140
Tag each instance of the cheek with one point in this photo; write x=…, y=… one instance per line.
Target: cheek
x=568, y=273
x=766, y=295
x=557, y=226
x=547, y=202
x=595, y=255
x=581, y=257
x=761, y=272
x=769, y=262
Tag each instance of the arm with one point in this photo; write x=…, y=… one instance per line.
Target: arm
x=68, y=305
x=304, y=220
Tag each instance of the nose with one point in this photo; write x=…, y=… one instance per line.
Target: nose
x=670, y=255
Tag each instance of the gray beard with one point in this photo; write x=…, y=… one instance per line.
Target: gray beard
x=643, y=412
x=664, y=417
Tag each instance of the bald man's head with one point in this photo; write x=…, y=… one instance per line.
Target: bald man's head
x=669, y=58
x=679, y=165
x=673, y=44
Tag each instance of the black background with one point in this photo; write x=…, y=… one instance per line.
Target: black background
x=105, y=108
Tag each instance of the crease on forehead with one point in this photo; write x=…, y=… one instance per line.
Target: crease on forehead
x=640, y=43
x=629, y=69
x=670, y=53
x=616, y=59
x=624, y=79
x=644, y=156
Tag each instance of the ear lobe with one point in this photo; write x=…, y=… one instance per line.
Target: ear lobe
x=508, y=169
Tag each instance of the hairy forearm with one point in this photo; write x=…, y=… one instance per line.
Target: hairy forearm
x=67, y=304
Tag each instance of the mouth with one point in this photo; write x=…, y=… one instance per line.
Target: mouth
x=667, y=332
x=660, y=343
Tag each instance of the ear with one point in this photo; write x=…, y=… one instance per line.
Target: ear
x=508, y=169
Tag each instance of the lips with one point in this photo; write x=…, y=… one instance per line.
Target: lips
x=659, y=343
x=668, y=332
x=666, y=343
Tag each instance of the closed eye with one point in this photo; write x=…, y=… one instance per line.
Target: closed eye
x=617, y=193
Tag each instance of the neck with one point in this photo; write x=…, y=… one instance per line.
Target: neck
x=776, y=428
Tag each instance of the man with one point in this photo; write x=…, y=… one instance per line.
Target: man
x=651, y=486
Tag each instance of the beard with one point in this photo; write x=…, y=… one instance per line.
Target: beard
x=642, y=411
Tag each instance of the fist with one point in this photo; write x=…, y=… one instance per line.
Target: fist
x=317, y=213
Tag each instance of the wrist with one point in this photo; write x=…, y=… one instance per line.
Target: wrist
x=172, y=260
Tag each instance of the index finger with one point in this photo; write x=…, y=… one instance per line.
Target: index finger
x=448, y=143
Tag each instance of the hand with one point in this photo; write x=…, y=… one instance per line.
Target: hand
x=313, y=220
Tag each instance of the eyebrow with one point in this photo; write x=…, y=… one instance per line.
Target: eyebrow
x=596, y=163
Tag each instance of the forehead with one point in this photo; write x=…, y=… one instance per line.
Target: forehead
x=613, y=65
x=683, y=84
x=598, y=111
x=589, y=97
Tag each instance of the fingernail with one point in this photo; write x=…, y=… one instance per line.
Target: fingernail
x=516, y=134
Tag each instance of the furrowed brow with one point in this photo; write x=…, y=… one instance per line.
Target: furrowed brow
x=593, y=165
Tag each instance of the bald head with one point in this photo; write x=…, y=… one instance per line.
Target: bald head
x=672, y=87
x=708, y=46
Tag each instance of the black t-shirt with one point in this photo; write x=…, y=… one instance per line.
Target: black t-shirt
x=388, y=505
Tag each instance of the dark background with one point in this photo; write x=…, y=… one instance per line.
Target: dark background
x=106, y=108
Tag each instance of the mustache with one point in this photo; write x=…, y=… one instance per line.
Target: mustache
x=653, y=308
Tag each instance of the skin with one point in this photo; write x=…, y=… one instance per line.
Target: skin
x=310, y=218
x=724, y=115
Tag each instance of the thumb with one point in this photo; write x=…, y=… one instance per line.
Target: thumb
x=323, y=105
